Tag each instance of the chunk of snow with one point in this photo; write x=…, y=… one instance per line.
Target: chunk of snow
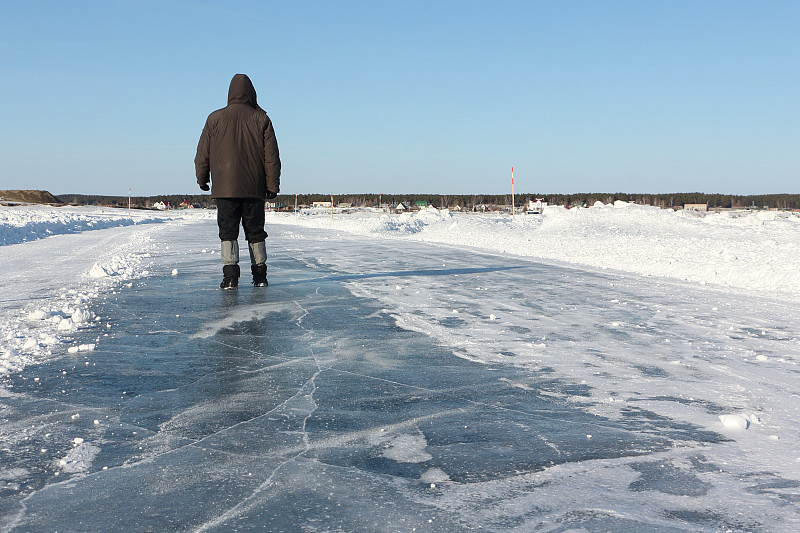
x=66, y=324
x=734, y=421
x=39, y=314
x=30, y=344
x=82, y=315
x=98, y=271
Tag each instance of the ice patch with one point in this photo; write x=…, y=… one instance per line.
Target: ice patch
x=11, y=474
x=244, y=313
x=403, y=448
x=434, y=475
x=78, y=459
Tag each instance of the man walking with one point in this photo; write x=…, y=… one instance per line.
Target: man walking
x=238, y=154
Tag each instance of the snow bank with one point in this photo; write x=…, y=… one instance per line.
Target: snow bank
x=28, y=223
x=748, y=251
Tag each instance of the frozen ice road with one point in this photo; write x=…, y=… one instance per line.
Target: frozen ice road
x=387, y=385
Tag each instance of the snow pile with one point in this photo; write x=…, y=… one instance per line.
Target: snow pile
x=124, y=267
x=748, y=251
x=42, y=329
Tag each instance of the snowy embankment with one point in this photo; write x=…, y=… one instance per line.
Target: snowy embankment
x=54, y=266
x=28, y=223
x=755, y=252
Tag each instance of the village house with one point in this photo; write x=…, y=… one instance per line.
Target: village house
x=274, y=206
x=536, y=207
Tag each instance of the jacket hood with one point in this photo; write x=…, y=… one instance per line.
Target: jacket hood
x=242, y=91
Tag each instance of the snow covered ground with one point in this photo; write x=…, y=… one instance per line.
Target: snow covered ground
x=613, y=368
x=757, y=252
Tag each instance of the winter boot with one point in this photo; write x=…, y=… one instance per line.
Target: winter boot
x=259, y=275
x=230, y=278
x=258, y=263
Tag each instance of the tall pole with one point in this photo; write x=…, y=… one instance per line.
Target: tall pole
x=129, y=202
x=295, y=203
x=512, y=192
x=331, y=207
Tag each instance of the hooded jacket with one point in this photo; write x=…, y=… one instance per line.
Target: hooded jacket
x=238, y=151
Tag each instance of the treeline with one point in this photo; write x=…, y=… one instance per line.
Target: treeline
x=138, y=202
x=465, y=201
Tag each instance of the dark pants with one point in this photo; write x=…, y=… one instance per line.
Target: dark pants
x=248, y=211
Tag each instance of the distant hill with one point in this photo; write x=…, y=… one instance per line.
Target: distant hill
x=28, y=197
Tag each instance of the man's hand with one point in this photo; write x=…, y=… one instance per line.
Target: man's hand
x=271, y=195
x=204, y=186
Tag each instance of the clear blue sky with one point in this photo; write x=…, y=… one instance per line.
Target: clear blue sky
x=406, y=96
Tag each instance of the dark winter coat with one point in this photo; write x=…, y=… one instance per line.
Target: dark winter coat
x=238, y=151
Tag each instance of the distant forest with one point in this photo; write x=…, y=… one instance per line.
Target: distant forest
x=465, y=201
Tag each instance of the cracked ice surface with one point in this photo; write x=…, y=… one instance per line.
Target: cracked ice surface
x=400, y=386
